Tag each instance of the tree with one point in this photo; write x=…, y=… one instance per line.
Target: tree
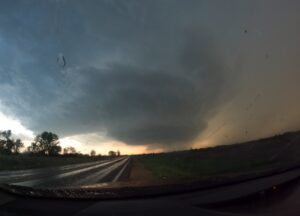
x=9, y=145
x=72, y=150
x=5, y=142
x=69, y=150
x=18, y=144
x=118, y=153
x=112, y=153
x=46, y=143
x=65, y=151
x=93, y=153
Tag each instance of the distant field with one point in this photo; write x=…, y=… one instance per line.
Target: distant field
x=231, y=160
x=18, y=162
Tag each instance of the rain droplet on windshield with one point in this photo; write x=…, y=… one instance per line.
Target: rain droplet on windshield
x=61, y=60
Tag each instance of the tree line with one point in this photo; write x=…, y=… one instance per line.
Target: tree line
x=46, y=143
x=9, y=145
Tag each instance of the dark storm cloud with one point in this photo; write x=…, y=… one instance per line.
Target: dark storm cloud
x=133, y=70
x=138, y=105
x=145, y=72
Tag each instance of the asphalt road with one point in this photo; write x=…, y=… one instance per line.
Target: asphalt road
x=70, y=175
x=253, y=197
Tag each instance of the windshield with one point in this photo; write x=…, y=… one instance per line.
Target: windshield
x=114, y=94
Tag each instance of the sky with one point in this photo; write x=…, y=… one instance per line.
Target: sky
x=149, y=76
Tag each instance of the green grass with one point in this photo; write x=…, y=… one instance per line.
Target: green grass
x=228, y=160
x=181, y=167
x=18, y=162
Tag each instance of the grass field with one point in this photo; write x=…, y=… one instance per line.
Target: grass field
x=231, y=160
x=18, y=162
x=173, y=167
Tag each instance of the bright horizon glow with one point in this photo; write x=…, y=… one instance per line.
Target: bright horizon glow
x=87, y=142
x=83, y=143
x=9, y=123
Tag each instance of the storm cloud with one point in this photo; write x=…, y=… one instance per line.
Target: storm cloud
x=128, y=103
x=134, y=76
x=154, y=73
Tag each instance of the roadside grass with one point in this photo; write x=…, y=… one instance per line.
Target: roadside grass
x=251, y=157
x=19, y=162
x=172, y=167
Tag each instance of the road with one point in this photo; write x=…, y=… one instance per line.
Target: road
x=284, y=200
x=70, y=175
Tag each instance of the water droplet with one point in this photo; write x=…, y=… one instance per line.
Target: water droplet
x=61, y=60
